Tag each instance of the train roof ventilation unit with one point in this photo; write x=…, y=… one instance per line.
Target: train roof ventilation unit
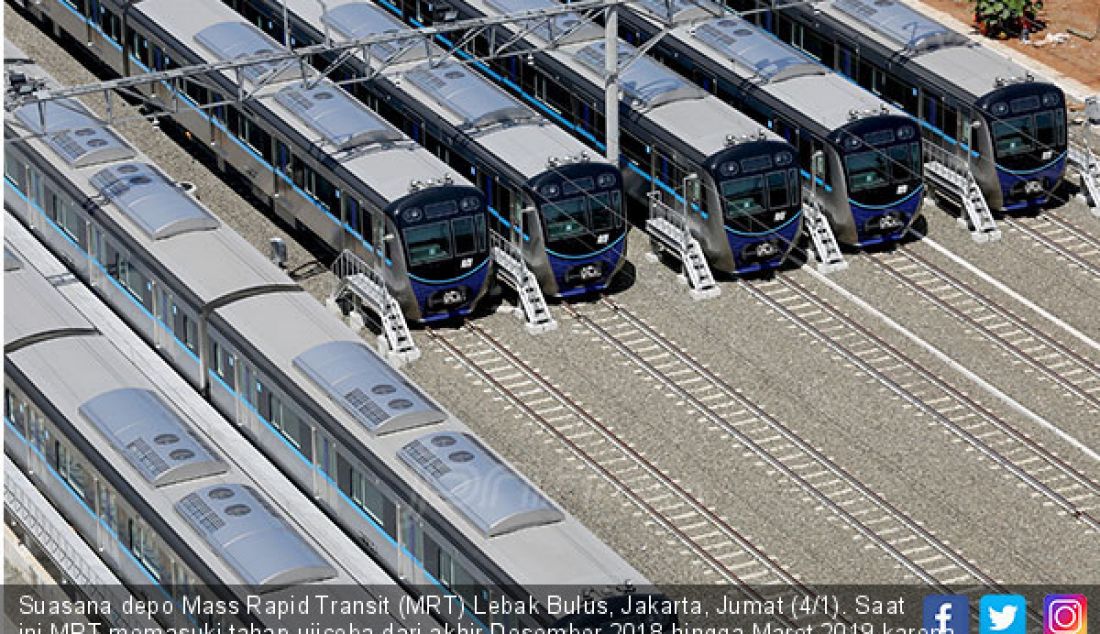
x=906, y=26
x=757, y=51
x=487, y=492
x=11, y=260
x=151, y=437
x=233, y=40
x=73, y=133
x=152, y=201
x=564, y=28
x=341, y=120
x=357, y=20
x=248, y=535
x=645, y=81
x=675, y=11
x=369, y=389
x=468, y=95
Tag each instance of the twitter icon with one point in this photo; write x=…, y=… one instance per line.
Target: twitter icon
x=1002, y=614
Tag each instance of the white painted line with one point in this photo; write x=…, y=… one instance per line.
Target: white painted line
x=1001, y=286
x=955, y=365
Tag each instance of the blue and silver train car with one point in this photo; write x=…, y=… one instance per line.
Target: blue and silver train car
x=868, y=177
x=176, y=503
x=972, y=102
x=750, y=206
x=323, y=161
x=404, y=478
x=546, y=192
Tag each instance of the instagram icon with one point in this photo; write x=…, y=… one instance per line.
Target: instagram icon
x=1065, y=614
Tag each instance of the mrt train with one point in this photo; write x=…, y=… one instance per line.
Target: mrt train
x=749, y=211
x=398, y=473
x=867, y=174
x=1008, y=125
x=322, y=160
x=547, y=194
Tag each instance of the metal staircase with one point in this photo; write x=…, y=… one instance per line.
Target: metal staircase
x=949, y=174
x=829, y=256
x=357, y=280
x=1088, y=166
x=667, y=229
x=513, y=271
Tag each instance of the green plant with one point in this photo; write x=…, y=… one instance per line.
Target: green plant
x=1006, y=18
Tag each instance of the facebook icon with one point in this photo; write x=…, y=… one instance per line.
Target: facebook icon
x=946, y=614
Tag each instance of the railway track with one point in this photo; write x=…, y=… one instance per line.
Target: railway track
x=699, y=528
x=1034, y=465
x=1077, y=374
x=1063, y=238
x=914, y=548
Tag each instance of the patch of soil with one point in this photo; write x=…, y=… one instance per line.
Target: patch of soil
x=1077, y=57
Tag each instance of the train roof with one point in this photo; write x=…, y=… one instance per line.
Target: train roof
x=32, y=309
x=940, y=51
x=502, y=527
x=185, y=237
x=512, y=131
x=383, y=159
x=683, y=111
x=218, y=496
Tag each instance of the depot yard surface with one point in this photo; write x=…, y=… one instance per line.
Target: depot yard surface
x=970, y=504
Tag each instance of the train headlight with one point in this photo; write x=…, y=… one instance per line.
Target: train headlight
x=852, y=142
x=906, y=133
x=783, y=159
x=414, y=214
x=469, y=203
x=1000, y=108
x=1051, y=99
x=550, y=191
x=729, y=168
x=605, y=180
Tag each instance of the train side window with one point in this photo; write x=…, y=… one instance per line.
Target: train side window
x=351, y=214
x=107, y=509
x=72, y=471
x=110, y=24
x=256, y=137
x=367, y=495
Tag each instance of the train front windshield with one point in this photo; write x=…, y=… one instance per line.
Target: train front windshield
x=582, y=215
x=1028, y=125
x=444, y=240
x=882, y=162
x=747, y=199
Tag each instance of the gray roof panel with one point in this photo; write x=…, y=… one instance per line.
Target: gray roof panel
x=487, y=492
x=152, y=201
x=468, y=95
x=356, y=20
x=247, y=534
x=757, y=51
x=74, y=134
x=364, y=385
x=907, y=27
x=343, y=121
x=648, y=83
x=231, y=40
x=565, y=28
x=150, y=436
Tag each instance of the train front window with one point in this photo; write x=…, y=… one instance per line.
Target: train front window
x=565, y=218
x=1015, y=136
x=867, y=170
x=428, y=243
x=905, y=162
x=744, y=196
x=605, y=212
x=779, y=194
x=1050, y=129
x=469, y=234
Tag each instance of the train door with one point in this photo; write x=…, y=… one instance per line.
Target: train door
x=847, y=56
